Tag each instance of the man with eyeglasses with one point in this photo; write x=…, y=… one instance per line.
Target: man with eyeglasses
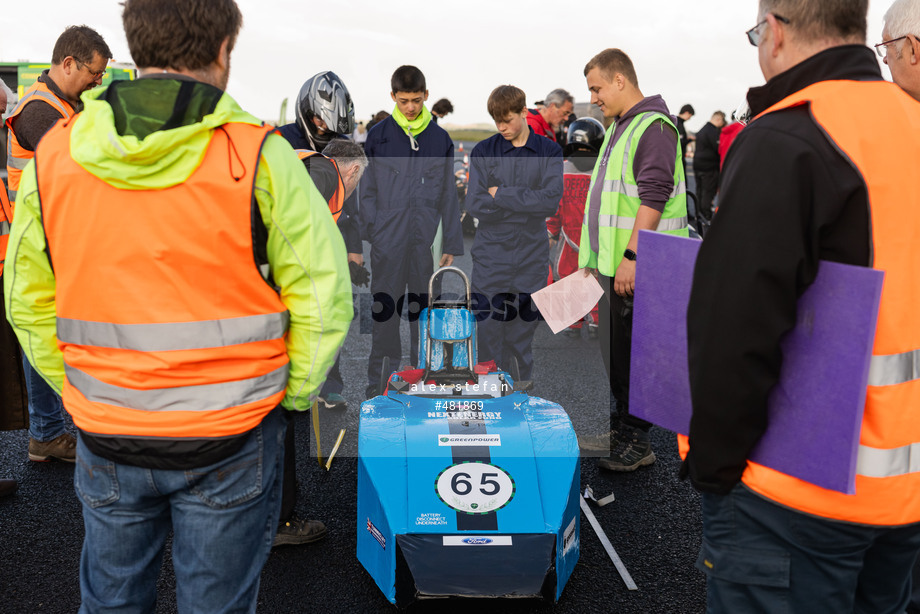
x=78, y=63
x=900, y=47
x=823, y=171
x=900, y=50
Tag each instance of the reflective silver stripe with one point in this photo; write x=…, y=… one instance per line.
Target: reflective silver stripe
x=892, y=369
x=633, y=126
x=621, y=187
x=49, y=98
x=11, y=194
x=881, y=463
x=4, y=228
x=172, y=336
x=208, y=397
x=627, y=223
x=614, y=221
x=568, y=240
x=17, y=163
x=617, y=186
x=675, y=223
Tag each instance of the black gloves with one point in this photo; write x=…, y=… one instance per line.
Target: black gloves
x=359, y=275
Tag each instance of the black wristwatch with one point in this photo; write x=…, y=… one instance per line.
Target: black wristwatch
x=630, y=255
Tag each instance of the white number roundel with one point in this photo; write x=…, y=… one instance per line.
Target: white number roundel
x=475, y=487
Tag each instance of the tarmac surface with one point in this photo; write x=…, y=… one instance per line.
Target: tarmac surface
x=654, y=523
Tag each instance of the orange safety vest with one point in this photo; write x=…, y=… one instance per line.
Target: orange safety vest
x=16, y=156
x=6, y=216
x=337, y=200
x=167, y=327
x=888, y=461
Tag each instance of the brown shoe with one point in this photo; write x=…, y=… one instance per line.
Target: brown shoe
x=8, y=487
x=62, y=447
x=296, y=532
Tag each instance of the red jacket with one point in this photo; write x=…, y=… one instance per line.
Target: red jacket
x=728, y=135
x=539, y=125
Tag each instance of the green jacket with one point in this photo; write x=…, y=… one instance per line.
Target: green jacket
x=613, y=223
x=123, y=144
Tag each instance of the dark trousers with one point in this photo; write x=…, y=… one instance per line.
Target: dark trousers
x=289, y=479
x=707, y=185
x=615, y=315
x=333, y=383
x=762, y=557
x=914, y=607
x=507, y=335
x=399, y=285
x=14, y=398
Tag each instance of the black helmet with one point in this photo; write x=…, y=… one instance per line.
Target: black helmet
x=584, y=134
x=325, y=96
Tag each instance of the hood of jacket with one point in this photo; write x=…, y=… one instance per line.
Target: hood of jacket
x=151, y=133
x=653, y=104
x=648, y=104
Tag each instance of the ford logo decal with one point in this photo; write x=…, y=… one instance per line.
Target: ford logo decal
x=477, y=541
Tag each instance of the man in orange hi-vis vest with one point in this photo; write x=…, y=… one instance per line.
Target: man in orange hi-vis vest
x=176, y=274
x=78, y=63
x=900, y=51
x=824, y=171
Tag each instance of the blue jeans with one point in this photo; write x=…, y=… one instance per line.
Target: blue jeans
x=761, y=557
x=223, y=519
x=46, y=411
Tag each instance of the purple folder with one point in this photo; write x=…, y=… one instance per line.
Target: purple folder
x=815, y=411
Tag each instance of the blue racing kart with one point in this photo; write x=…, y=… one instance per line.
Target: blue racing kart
x=467, y=485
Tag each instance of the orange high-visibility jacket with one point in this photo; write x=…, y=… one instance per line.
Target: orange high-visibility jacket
x=166, y=325
x=6, y=216
x=16, y=156
x=337, y=200
x=888, y=462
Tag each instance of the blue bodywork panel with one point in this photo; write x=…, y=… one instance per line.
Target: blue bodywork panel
x=464, y=474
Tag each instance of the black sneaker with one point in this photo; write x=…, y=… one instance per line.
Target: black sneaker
x=296, y=532
x=630, y=451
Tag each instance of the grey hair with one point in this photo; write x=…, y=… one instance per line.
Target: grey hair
x=903, y=18
x=558, y=97
x=345, y=153
x=816, y=20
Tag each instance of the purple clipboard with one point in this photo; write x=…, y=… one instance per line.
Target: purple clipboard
x=815, y=411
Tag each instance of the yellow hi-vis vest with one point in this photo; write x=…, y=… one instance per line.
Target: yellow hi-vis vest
x=620, y=197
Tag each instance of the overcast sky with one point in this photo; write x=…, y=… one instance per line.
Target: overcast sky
x=692, y=52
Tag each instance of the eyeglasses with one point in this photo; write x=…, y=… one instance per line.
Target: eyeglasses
x=882, y=48
x=95, y=74
x=754, y=33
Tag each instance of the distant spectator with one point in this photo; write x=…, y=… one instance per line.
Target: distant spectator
x=440, y=109
x=545, y=120
x=686, y=112
x=378, y=117
x=360, y=134
x=706, y=166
